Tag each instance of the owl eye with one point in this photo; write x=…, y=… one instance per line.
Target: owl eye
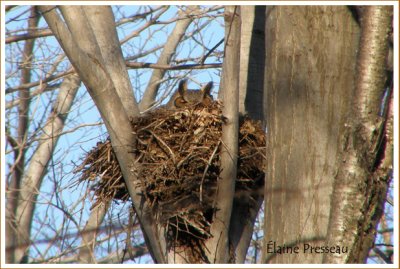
x=179, y=102
x=184, y=97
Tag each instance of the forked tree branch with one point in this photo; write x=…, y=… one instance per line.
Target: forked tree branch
x=165, y=58
x=90, y=66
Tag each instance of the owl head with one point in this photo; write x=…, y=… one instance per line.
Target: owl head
x=183, y=97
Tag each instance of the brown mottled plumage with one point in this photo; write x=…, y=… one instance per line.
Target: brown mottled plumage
x=183, y=97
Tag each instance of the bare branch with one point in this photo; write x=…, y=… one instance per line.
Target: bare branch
x=28, y=36
x=139, y=16
x=89, y=233
x=36, y=170
x=165, y=57
x=22, y=132
x=101, y=20
x=37, y=83
x=152, y=21
x=136, y=65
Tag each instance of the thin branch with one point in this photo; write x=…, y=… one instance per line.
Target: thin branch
x=33, y=175
x=42, y=81
x=28, y=36
x=211, y=51
x=136, y=65
x=152, y=21
x=89, y=233
x=383, y=256
x=135, y=17
x=165, y=58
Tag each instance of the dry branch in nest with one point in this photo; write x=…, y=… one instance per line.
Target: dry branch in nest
x=179, y=165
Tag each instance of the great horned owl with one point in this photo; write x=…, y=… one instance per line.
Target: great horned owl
x=184, y=97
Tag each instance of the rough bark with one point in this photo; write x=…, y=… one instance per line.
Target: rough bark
x=82, y=50
x=310, y=74
x=361, y=182
x=34, y=174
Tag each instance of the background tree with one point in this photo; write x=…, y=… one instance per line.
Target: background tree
x=306, y=100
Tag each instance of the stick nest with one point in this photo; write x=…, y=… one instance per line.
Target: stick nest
x=178, y=166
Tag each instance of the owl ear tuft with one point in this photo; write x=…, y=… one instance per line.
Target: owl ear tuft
x=206, y=90
x=182, y=88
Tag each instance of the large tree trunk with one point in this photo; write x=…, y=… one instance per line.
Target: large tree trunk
x=310, y=80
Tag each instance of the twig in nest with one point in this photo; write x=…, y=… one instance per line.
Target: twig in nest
x=186, y=159
x=206, y=169
x=165, y=145
x=153, y=125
